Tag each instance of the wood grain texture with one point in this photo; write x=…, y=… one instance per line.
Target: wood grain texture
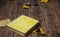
x=47, y=13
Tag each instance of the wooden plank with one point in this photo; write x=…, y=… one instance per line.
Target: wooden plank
x=16, y=35
x=2, y=32
x=10, y=34
x=14, y=11
x=5, y=10
x=6, y=32
x=57, y=11
x=56, y=6
x=49, y=15
x=43, y=18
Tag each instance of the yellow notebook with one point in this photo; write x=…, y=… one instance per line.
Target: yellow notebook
x=23, y=24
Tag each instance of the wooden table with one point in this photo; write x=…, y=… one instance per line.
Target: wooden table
x=48, y=14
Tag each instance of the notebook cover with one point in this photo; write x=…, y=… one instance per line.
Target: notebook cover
x=23, y=25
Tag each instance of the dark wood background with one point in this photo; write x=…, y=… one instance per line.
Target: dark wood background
x=47, y=13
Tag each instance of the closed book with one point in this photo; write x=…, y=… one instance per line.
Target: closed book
x=23, y=25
